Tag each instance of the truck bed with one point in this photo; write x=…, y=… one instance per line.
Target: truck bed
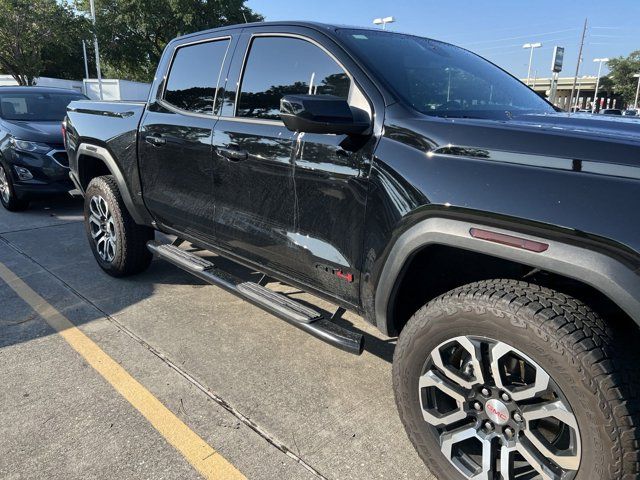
x=114, y=127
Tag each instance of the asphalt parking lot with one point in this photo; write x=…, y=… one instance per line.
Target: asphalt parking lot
x=182, y=362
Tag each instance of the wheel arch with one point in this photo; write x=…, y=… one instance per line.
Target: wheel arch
x=87, y=171
x=615, y=280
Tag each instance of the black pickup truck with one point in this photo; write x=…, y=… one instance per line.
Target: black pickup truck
x=416, y=184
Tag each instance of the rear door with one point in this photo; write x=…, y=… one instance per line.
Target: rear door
x=174, y=143
x=255, y=192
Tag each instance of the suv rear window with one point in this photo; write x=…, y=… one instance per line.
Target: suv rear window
x=279, y=66
x=34, y=106
x=194, y=76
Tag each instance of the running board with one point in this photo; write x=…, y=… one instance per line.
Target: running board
x=278, y=304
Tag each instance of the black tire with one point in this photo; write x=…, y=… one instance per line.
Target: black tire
x=130, y=255
x=13, y=203
x=591, y=363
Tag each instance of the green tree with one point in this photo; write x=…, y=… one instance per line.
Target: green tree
x=133, y=33
x=36, y=38
x=620, y=78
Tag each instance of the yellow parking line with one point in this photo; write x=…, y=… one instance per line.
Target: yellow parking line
x=198, y=453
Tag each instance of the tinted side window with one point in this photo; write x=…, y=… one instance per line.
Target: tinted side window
x=193, y=78
x=278, y=66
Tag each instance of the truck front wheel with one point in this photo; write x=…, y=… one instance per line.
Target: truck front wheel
x=118, y=243
x=502, y=379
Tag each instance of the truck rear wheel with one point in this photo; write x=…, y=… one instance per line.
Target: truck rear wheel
x=118, y=243
x=505, y=379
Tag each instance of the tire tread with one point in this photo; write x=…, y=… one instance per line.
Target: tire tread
x=134, y=257
x=601, y=355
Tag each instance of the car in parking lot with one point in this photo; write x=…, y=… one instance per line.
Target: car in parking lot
x=417, y=184
x=611, y=111
x=33, y=160
x=631, y=112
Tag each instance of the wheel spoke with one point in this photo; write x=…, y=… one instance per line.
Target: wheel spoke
x=104, y=208
x=473, y=350
x=481, y=471
x=518, y=393
x=96, y=234
x=102, y=247
x=566, y=459
x=95, y=226
x=536, y=460
x=506, y=462
x=94, y=221
x=94, y=208
x=111, y=249
x=4, y=185
x=437, y=380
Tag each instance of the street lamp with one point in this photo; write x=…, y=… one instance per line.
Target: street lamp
x=530, y=46
x=95, y=47
x=595, y=94
x=637, y=75
x=383, y=21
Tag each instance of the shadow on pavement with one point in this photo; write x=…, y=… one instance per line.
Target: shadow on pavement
x=49, y=240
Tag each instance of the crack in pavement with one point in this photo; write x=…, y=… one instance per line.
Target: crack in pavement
x=66, y=222
x=270, y=439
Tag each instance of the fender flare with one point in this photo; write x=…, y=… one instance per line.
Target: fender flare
x=607, y=275
x=104, y=155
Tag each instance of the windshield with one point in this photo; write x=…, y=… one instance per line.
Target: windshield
x=440, y=79
x=36, y=106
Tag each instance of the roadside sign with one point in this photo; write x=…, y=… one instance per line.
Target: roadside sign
x=558, y=57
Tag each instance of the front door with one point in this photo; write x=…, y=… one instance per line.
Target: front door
x=290, y=201
x=331, y=181
x=174, y=144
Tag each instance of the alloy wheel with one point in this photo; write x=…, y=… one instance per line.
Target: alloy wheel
x=5, y=193
x=497, y=413
x=103, y=229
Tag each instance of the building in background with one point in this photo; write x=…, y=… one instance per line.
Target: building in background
x=582, y=96
x=112, y=89
x=9, y=81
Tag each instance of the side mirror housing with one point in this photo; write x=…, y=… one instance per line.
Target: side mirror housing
x=320, y=114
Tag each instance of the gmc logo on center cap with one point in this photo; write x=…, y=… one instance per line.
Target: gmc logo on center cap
x=497, y=411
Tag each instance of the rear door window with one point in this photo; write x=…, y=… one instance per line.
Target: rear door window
x=278, y=66
x=195, y=76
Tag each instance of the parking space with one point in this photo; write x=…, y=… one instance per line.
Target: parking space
x=268, y=399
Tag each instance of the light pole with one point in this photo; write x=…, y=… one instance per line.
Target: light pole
x=383, y=21
x=531, y=46
x=95, y=46
x=535, y=78
x=637, y=75
x=595, y=95
x=86, y=65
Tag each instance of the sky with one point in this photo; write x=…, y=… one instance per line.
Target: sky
x=494, y=29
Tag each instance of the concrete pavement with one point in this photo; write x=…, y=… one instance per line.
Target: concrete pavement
x=273, y=401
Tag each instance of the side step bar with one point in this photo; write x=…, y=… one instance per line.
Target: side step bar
x=297, y=314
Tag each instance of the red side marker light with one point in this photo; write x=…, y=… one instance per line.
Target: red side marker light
x=345, y=276
x=510, y=240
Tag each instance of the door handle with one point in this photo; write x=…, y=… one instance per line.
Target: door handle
x=233, y=154
x=155, y=140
